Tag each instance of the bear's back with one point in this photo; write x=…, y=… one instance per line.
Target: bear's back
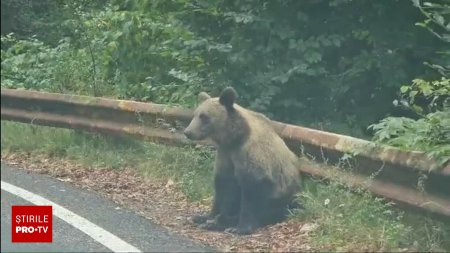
x=265, y=154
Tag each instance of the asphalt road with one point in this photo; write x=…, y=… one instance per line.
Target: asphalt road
x=121, y=222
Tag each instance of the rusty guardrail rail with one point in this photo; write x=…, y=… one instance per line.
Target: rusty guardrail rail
x=394, y=174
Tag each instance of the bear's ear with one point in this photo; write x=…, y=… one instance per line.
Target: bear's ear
x=202, y=96
x=227, y=98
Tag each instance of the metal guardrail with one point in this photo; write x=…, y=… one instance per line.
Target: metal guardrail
x=394, y=174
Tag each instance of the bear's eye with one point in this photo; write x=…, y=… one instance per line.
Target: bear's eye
x=203, y=117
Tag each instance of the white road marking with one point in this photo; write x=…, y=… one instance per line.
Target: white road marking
x=97, y=233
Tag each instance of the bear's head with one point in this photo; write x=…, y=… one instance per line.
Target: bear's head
x=212, y=115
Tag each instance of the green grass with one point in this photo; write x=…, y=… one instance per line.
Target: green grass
x=347, y=220
x=350, y=220
x=191, y=168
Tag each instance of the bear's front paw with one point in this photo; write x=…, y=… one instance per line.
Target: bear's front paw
x=239, y=230
x=199, y=219
x=212, y=225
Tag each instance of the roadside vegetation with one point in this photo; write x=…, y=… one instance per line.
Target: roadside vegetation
x=343, y=219
x=343, y=71
x=191, y=168
x=333, y=63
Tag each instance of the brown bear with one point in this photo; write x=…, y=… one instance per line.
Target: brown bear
x=255, y=176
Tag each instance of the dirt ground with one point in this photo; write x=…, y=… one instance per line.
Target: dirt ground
x=164, y=204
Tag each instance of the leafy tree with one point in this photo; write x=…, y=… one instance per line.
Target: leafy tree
x=326, y=64
x=429, y=100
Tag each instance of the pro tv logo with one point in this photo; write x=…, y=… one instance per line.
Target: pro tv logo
x=31, y=223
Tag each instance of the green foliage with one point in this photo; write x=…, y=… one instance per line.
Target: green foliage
x=357, y=221
x=424, y=97
x=430, y=100
x=31, y=18
x=437, y=20
x=327, y=61
x=134, y=51
x=30, y=64
x=430, y=134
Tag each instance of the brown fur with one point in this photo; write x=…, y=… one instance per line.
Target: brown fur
x=255, y=172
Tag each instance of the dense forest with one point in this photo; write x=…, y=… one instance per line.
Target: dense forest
x=371, y=69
